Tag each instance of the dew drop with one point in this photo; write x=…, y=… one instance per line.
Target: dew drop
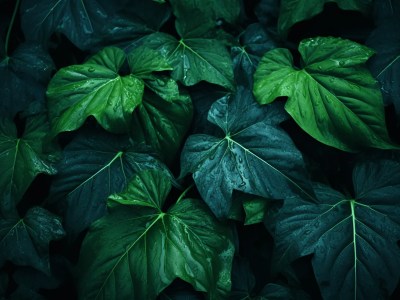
x=91, y=69
x=341, y=63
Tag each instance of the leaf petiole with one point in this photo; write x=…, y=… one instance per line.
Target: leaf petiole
x=10, y=27
x=185, y=192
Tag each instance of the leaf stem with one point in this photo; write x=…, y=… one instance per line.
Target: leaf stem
x=10, y=27
x=185, y=192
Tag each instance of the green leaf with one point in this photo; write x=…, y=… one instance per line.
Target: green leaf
x=23, y=158
x=160, y=123
x=140, y=250
x=385, y=65
x=163, y=86
x=94, y=89
x=333, y=97
x=143, y=61
x=294, y=11
x=254, y=155
x=195, y=59
x=194, y=20
x=255, y=209
x=353, y=241
x=24, y=76
x=94, y=165
x=25, y=242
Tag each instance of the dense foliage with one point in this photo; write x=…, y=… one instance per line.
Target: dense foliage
x=184, y=149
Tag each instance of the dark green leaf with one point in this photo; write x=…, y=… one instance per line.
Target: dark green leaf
x=25, y=242
x=273, y=291
x=3, y=284
x=243, y=280
x=267, y=12
x=23, y=158
x=194, y=19
x=255, y=209
x=254, y=155
x=333, y=97
x=94, y=89
x=24, y=76
x=144, y=61
x=294, y=11
x=91, y=23
x=385, y=65
x=140, y=250
x=195, y=59
x=95, y=165
x=162, y=123
x=354, y=241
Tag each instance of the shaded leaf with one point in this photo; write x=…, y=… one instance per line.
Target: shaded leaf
x=194, y=20
x=333, y=97
x=186, y=241
x=94, y=89
x=354, y=241
x=385, y=65
x=23, y=158
x=294, y=11
x=254, y=155
x=95, y=164
x=24, y=76
x=25, y=242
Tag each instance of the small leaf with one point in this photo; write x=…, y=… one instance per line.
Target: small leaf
x=25, y=242
x=140, y=250
x=353, y=241
x=94, y=89
x=95, y=164
x=23, y=158
x=195, y=59
x=294, y=11
x=254, y=156
x=333, y=97
x=255, y=210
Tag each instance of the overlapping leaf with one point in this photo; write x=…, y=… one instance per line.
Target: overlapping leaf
x=385, y=65
x=95, y=165
x=90, y=23
x=24, y=76
x=195, y=59
x=294, y=11
x=354, y=241
x=23, y=158
x=25, y=241
x=94, y=89
x=333, y=97
x=140, y=249
x=254, y=155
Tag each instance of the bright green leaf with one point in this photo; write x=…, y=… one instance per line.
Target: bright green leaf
x=140, y=250
x=195, y=59
x=353, y=241
x=23, y=158
x=143, y=61
x=255, y=209
x=94, y=89
x=333, y=97
x=294, y=11
x=25, y=242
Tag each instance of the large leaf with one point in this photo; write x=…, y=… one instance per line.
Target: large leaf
x=354, y=241
x=194, y=19
x=94, y=89
x=385, y=40
x=91, y=23
x=294, y=11
x=195, y=59
x=24, y=76
x=162, y=124
x=95, y=164
x=254, y=155
x=333, y=97
x=23, y=158
x=140, y=249
x=25, y=242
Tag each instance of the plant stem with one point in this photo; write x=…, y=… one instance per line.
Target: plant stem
x=185, y=192
x=10, y=27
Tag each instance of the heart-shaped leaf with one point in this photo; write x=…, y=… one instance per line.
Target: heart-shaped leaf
x=140, y=249
x=332, y=97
